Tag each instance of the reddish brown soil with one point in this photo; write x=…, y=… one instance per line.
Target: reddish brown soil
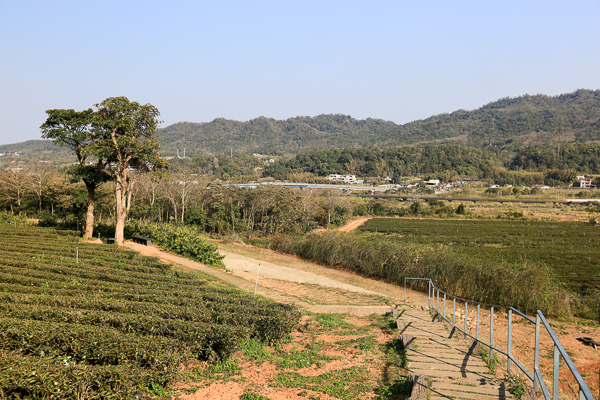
x=258, y=377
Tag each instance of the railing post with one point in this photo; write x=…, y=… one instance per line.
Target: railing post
x=454, y=312
x=444, y=305
x=404, y=290
x=429, y=295
x=509, y=345
x=536, y=365
x=491, y=333
x=466, y=312
x=438, y=301
x=478, y=308
x=555, y=372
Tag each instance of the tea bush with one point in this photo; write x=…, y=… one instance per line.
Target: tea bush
x=115, y=324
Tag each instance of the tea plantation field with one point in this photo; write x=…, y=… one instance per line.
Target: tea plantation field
x=571, y=249
x=115, y=324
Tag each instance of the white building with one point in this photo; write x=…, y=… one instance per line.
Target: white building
x=343, y=178
x=585, y=183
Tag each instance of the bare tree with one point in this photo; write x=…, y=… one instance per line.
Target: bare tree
x=15, y=184
x=40, y=177
x=181, y=186
x=309, y=206
x=149, y=187
x=330, y=202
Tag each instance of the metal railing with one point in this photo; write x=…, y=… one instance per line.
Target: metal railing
x=433, y=299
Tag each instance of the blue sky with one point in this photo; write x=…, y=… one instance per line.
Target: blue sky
x=197, y=61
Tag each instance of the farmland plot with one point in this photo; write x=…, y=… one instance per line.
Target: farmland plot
x=113, y=324
x=571, y=249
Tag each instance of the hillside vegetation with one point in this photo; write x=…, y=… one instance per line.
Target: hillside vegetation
x=449, y=162
x=531, y=120
x=537, y=120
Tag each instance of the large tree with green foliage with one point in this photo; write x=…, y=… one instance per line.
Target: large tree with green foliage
x=126, y=137
x=73, y=129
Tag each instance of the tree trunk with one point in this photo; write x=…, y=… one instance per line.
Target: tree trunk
x=232, y=219
x=89, y=219
x=121, y=211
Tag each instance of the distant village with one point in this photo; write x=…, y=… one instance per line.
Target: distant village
x=582, y=182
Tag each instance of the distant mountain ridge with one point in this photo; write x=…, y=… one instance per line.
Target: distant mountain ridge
x=538, y=120
x=530, y=120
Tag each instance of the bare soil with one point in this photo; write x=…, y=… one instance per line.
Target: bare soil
x=260, y=377
x=316, y=294
x=350, y=225
x=354, y=224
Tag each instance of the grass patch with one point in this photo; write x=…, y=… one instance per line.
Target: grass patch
x=402, y=386
x=365, y=343
x=490, y=361
x=254, y=349
x=396, y=354
x=345, y=384
x=224, y=370
x=517, y=388
x=253, y=396
x=333, y=321
x=384, y=322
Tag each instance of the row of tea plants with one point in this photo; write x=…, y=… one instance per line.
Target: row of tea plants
x=109, y=323
x=569, y=248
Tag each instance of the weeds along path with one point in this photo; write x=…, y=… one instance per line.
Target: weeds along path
x=288, y=279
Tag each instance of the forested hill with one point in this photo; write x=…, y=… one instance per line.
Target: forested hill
x=270, y=136
x=530, y=120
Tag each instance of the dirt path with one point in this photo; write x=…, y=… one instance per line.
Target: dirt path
x=288, y=279
x=354, y=224
x=349, y=227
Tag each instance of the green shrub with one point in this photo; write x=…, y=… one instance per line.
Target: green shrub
x=10, y=218
x=183, y=240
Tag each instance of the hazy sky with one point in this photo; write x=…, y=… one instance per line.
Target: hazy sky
x=199, y=60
